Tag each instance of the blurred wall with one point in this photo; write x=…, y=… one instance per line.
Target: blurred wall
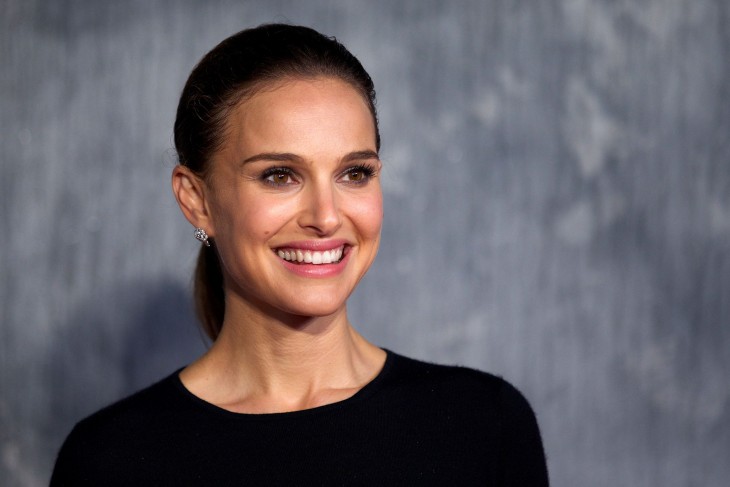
x=557, y=190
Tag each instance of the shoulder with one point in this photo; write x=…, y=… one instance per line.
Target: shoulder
x=467, y=408
x=92, y=442
x=145, y=405
x=466, y=383
x=478, y=399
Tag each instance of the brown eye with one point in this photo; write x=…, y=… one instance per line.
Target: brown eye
x=356, y=176
x=278, y=177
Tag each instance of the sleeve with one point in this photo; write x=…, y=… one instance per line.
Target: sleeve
x=522, y=461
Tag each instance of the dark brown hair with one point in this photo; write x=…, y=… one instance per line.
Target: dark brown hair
x=234, y=70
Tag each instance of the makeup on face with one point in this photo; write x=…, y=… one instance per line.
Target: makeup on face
x=296, y=196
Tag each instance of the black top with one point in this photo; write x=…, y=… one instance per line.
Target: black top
x=414, y=424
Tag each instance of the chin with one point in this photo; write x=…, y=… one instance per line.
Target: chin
x=313, y=310
x=316, y=307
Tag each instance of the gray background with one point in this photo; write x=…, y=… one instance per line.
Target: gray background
x=557, y=191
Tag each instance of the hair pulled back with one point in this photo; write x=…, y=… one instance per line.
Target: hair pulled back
x=234, y=70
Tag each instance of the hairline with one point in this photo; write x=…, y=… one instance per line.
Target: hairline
x=242, y=94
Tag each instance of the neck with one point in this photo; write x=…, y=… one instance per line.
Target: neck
x=265, y=363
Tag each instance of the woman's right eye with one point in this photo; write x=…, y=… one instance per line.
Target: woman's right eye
x=278, y=176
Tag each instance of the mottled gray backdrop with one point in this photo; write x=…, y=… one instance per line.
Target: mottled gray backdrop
x=557, y=190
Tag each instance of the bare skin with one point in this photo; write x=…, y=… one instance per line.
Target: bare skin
x=286, y=342
x=285, y=370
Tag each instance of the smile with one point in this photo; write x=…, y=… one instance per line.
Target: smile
x=315, y=257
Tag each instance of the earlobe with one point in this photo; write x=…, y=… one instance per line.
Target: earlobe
x=190, y=192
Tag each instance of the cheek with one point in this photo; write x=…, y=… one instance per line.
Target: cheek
x=263, y=217
x=369, y=215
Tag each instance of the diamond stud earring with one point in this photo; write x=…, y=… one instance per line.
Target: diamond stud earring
x=202, y=236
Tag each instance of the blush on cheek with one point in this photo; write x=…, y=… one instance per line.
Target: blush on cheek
x=370, y=215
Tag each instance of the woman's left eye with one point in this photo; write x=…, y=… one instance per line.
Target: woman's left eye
x=358, y=174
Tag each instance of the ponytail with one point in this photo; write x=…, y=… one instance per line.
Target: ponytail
x=235, y=69
x=210, y=303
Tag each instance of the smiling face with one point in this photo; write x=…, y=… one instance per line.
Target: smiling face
x=293, y=197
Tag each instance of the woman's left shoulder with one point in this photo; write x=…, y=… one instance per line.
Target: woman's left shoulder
x=484, y=423
x=456, y=381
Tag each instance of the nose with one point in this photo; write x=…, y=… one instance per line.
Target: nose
x=321, y=213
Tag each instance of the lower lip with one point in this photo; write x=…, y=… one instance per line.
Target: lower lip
x=317, y=270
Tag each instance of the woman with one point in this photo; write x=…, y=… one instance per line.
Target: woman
x=278, y=143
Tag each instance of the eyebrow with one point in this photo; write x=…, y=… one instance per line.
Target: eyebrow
x=360, y=155
x=289, y=157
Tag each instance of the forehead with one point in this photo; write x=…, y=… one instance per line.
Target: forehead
x=301, y=115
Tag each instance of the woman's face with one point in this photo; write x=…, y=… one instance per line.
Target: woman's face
x=294, y=197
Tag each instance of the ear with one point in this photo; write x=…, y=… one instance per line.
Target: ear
x=190, y=193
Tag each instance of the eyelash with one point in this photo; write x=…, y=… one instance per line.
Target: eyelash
x=272, y=171
x=367, y=171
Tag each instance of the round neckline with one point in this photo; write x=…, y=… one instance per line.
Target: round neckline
x=365, y=391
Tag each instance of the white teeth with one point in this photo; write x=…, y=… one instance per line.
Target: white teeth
x=311, y=257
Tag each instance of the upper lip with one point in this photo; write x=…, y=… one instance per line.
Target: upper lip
x=314, y=245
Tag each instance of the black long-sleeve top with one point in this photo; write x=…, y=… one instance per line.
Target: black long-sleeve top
x=415, y=424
